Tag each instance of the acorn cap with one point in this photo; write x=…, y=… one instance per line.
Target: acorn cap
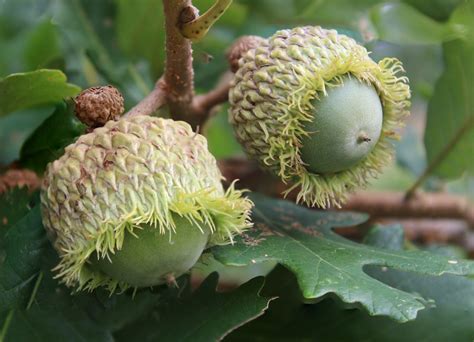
x=97, y=105
x=272, y=98
x=239, y=48
x=136, y=171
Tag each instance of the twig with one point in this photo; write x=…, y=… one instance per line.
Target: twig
x=466, y=126
x=176, y=87
x=179, y=73
x=203, y=104
x=151, y=103
x=393, y=204
x=377, y=204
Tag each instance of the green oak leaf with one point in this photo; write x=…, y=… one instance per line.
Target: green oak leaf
x=23, y=245
x=14, y=204
x=325, y=263
x=449, y=316
x=40, y=87
x=45, y=144
x=400, y=23
x=203, y=315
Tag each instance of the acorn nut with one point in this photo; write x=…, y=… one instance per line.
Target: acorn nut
x=313, y=108
x=135, y=203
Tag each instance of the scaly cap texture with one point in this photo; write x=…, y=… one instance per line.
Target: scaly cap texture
x=130, y=172
x=272, y=97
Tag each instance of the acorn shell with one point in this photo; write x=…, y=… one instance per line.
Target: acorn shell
x=135, y=171
x=272, y=98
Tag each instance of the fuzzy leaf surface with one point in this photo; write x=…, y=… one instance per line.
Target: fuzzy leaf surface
x=40, y=87
x=324, y=263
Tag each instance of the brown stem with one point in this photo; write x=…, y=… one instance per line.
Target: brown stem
x=151, y=103
x=179, y=73
x=203, y=104
x=377, y=204
x=434, y=205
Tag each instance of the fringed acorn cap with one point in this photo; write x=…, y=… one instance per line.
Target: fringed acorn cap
x=135, y=171
x=273, y=98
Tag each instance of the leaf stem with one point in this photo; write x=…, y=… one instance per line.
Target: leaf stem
x=465, y=127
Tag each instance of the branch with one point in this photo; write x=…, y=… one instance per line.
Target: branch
x=203, y=104
x=151, y=103
x=377, y=204
x=433, y=205
x=176, y=87
x=179, y=73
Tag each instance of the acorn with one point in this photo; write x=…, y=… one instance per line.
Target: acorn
x=313, y=108
x=135, y=202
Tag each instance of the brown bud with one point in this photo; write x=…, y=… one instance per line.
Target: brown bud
x=19, y=178
x=241, y=46
x=188, y=14
x=97, y=105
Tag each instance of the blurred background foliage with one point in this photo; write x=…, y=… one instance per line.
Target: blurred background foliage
x=121, y=42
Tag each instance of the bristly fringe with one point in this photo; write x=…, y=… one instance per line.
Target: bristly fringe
x=131, y=173
x=226, y=216
x=308, y=73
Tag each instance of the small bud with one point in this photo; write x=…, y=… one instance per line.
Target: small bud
x=241, y=46
x=97, y=105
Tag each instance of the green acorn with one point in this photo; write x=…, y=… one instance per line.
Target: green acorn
x=134, y=203
x=312, y=107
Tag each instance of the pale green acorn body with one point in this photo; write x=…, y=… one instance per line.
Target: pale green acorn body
x=136, y=173
x=283, y=87
x=346, y=126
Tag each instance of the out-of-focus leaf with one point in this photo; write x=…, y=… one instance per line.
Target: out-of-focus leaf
x=411, y=152
x=463, y=186
x=92, y=50
x=42, y=46
x=24, y=90
x=15, y=128
x=402, y=24
x=234, y=16
x=388, y=237
x=14, y=204
x=141, y=31
x=325, y=263
x=449, y=316
x=201, y=316
x=393, y=178
x=450, y=123
x=436, y=9
x=48, y=141
x=220, y=137
x=48, y=311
